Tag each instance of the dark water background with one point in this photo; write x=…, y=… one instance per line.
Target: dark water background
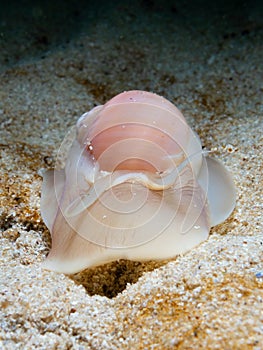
x=31, y=29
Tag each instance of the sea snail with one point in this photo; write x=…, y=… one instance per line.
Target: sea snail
x=136, y=185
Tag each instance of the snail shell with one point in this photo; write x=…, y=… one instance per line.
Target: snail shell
x=136, y=185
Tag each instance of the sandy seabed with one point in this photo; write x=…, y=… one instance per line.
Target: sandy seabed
x=209, y=298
